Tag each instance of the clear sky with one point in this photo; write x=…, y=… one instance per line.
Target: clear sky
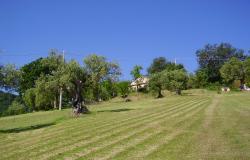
x=128, y=31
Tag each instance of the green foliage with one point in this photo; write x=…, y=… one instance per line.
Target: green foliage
x=213, y=86
x=10, y=77
x=15, y=108
x=177, y=80
x=233, y=70
x=201, y=78
x=136, y=72
x=29, y=98
x=159, y=64
x=33, y=70
x=1, y=76
x=44, y=96
x=5, y=100
x=246, y=65
x=191, y=83
x=123, y=88
x=157, y=82
x=109, y=87
x=30, y=73
x=99, y=69
x=212, y=57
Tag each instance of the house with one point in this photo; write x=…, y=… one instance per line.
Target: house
x=139, y=83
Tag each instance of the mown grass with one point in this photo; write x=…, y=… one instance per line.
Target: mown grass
x=198, y=125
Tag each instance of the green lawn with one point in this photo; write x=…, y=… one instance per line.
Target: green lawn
x=197, y=125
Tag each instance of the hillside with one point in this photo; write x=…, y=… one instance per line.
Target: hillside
x=197, y=125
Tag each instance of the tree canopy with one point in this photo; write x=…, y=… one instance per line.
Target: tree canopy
x=136, y=72
x=99, y=69
x=212, y=57
x=159, y=64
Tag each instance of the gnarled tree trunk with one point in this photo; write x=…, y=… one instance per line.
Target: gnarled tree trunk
x=78, y=103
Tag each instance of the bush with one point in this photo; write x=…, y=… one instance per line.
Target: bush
x=123, y=88
x=16, y=108
x=104, y=94
x=29, y=98
x=213, y=86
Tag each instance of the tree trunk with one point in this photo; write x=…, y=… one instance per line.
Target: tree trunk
x=241, y=82
x=159, y=94
x=55, y=104
x=78, y=106
x=178, y=92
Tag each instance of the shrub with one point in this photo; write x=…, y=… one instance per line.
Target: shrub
x=123, y=88
x=16, y=108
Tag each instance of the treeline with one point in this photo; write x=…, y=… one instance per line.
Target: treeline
x=221, y=65
x=40, y=83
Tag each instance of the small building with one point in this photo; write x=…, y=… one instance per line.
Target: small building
x=140, y=83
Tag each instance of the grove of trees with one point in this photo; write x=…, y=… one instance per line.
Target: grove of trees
x=40, y=84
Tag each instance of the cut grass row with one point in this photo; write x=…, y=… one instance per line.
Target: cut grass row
x=79, y=127
x=134, y=128
x=98, y=134
x=158, y=130
x=101, y=121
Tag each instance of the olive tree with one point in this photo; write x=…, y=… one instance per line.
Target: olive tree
x=99, y=70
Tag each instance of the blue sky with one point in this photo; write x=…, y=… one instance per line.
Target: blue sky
x=128, y=31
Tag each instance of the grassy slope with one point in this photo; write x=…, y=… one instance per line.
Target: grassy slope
x=198, y=126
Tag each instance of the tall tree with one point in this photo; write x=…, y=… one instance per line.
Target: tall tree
x=99, y=70
x=30, y=73
x=212, y=57
x=177, y=80
x=136, y=72
x=73, y=78
x=233, y=70
x=246, y=65
x=159, y=64
x=33, y=70
x=157, y=83
x=10, y=77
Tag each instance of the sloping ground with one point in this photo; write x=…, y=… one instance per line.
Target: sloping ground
x=199, y=126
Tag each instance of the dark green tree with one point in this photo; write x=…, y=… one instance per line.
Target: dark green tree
x=212, y=57
x=159, y=64
x=30, y=73
x=33, y=70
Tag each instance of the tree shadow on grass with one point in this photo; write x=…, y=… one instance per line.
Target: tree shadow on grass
x=22, y=129
x=117, y=110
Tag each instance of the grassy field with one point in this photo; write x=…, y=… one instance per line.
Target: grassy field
x=198, y=125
